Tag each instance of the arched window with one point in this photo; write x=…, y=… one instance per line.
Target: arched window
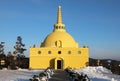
x=56, y=27
x=59, y=27
x=58, y=43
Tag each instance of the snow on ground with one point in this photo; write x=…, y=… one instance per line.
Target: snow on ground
x=17, y=75
x=94, y=73
x=99, y=74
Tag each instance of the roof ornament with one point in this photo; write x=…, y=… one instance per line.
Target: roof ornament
x=59, y=17
x=59, y=26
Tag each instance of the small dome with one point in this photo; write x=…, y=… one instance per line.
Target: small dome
x=59, y=39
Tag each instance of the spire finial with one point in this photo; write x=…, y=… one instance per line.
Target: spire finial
x=59, y=26
x=59, y=17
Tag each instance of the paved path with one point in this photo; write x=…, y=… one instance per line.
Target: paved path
x=59, y=75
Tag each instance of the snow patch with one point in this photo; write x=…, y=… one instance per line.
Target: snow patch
x=99, y=74
x=18, y=75
x=94, y=73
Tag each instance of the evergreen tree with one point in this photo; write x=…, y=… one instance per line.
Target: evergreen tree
x=9, y=60
x=2, y=55
x=19, y=52
x=2, y=48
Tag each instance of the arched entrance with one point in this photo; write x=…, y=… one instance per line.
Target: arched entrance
x=58, y=63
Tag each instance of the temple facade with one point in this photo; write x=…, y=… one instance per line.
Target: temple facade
x=59, y=50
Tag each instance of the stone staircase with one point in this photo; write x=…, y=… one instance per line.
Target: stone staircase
x=59, y=75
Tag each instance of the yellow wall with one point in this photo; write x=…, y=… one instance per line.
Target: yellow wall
x=58, y=40
x=44, y=59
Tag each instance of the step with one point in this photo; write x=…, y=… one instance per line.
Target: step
x=59, y=75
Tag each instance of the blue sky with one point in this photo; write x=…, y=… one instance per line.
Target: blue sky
x=95, y=23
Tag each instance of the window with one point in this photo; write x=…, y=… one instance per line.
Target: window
x=59, y=27
x=59, y=52
x=69, y=52
x=39, y=52
x=79, y=52
x=49, y=52
x=56, y=27
x=58, y=43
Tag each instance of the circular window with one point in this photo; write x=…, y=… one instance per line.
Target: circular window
x=79, y=52
x=59, y=52
x=49, y=52
x=39, y=52
x=69, y=52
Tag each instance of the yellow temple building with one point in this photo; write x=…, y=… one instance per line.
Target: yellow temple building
x=59, y=50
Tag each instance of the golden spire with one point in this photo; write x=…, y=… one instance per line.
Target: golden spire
x=59, y=26
x=59, y=17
